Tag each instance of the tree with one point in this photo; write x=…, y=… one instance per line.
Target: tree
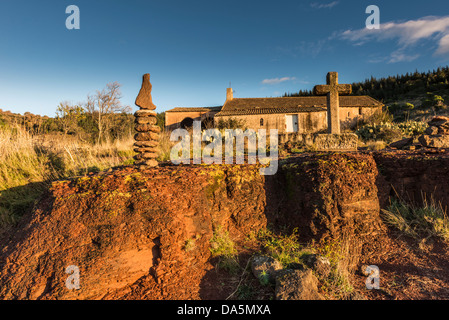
x=103, y=105
x=67, y=116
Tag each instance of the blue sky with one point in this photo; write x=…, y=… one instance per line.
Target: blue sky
x=193, y=49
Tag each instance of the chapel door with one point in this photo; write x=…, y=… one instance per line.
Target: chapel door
x=291, y=123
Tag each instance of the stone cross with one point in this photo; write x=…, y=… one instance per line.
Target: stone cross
x=333, y=90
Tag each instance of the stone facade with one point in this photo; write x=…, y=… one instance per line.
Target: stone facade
x=288, y=114
x=182, y=117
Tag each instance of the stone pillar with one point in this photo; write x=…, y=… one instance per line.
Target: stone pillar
x=148, y=133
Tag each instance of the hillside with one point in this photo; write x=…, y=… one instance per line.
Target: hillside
x=411, y=96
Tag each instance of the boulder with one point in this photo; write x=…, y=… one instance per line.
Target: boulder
x=401, y=143
x=297, y=285
x=318, y=263
x=434, y=141
x=264, y=268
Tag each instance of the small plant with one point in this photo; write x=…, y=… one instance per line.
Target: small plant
x=376, y=145
x=189, y=245
x=245, y=292
x=223, y=247
x=419, y=222
x=343, y=255
x=264, y=278
x=285, y=249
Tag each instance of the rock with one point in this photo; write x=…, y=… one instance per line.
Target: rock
x=149, y=155
x=146, y=156
x=146, y=149
x=318, y=263
x=147, y=163
x=438, y=121
x=297, y=285
x=295, y=266
x=144, y=99
x=145, y=113
x=148, y=128
x=431, y=130
x=147, y=136
x=145, y=144
x=264, y=268
x=401, y=143
x=145, y=120
x=434, y=141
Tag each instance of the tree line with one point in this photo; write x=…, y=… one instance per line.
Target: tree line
x=101, y=118
x=399, y=87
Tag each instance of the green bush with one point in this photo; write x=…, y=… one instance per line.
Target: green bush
x=389, y=132
x=419, y=222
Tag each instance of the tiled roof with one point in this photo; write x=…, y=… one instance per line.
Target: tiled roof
x=244, y=106
x=195, y=109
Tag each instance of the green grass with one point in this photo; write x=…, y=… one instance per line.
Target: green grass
x=223, y=248
x=29, y=163
x=284, y=248
x=428, y=220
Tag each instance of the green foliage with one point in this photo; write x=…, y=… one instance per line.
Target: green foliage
x=389, y=132
x=283, y=248
x=433, y=100
x=231, y=123
x=384, y=131
x=161, y=120
x=399, y=87
x=223, y=248
x=424, y=221
x=245, y=292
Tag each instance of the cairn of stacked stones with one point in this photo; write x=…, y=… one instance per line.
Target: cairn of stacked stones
x=148, y=133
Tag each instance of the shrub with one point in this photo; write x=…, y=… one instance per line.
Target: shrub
x=425, y=221
x=285, y=249
x=223, y=248
x=383, y=131
x=388, y=132
x=231, y=123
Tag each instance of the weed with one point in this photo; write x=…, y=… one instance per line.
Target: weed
x=285, y=249
x=189, y=245
x=419, y=222
x=223, y=247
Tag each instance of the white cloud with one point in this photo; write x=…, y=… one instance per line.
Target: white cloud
x=317, y=5
x=277, y=80
x=407, y=34
x=443, y=45
x=399, y=56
